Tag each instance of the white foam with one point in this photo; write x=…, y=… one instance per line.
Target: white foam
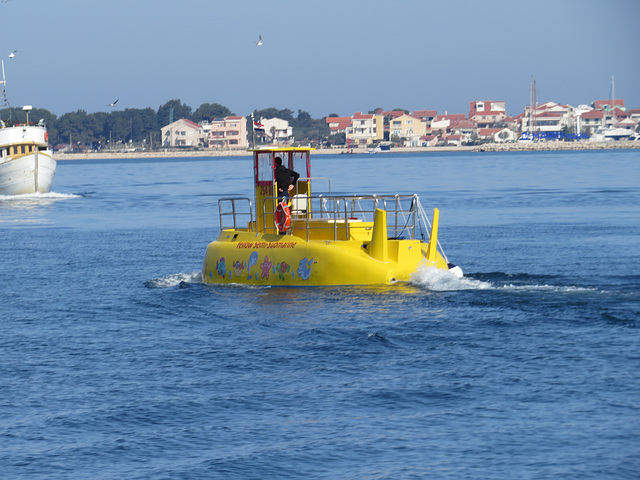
x=548, y=288
x=175, y=280
x=440, y=280
x=39, y=196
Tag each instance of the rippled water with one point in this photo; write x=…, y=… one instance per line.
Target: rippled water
x=117, y=362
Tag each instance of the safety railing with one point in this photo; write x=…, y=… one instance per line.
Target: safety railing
x=340, y=212
x=406, y=218
x=237, y=210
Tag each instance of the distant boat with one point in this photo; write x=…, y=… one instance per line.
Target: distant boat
x=26, y=162
x=381, y=147
x=611, y=133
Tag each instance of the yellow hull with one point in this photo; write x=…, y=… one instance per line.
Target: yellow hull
x=286, y=260
x=329, y=240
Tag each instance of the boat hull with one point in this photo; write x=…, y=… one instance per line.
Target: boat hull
x=28, y=173
x=240, y=257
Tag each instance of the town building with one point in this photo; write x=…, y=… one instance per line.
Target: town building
x=549, y=117
x=182, y=133
x=591, y=121
x=338, y=124
x=409, y=128
x=277, y=131
x=228, y=133
x=365, y=129
x=487, y=113
x=426, y=116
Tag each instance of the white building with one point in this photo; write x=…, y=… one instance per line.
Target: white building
x=182, y=133
x=277, y=131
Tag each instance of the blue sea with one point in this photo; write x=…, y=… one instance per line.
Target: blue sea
x=117, y=362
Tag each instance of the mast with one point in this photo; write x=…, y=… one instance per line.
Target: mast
x=532, y=107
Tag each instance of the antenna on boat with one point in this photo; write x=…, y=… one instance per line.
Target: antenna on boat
x=4, y=80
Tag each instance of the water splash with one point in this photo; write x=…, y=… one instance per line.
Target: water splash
x=175, y=280
x=38, y=197
x=439, y=280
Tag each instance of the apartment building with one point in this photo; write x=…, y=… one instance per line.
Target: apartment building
x=365, y=129
x=228, y=133
x=408, y=127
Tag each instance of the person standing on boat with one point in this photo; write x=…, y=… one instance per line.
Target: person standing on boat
x=285, y=179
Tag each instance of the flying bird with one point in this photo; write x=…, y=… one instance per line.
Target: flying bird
x=113, y=104
x=259, y=42
x=13, y=54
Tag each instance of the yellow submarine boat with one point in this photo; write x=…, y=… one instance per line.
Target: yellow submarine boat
x=319, y=239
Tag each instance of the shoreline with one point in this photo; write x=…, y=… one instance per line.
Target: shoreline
x=487, y=147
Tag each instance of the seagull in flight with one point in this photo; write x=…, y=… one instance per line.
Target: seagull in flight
x=113, y=104
x=13, y=54
x=259, y=42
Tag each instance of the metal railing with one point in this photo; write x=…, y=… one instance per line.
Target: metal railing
x=403, y=213
x=235, y=208
x=406, y=218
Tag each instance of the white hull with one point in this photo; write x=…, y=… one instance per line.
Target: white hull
x=27, y=174
x=26, y=163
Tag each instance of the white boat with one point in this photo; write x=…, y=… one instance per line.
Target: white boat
x=26, y=162
x=611, y=133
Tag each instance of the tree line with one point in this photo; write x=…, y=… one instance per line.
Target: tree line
x=137, y=126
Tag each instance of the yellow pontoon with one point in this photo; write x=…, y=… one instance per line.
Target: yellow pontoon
x=318, y=238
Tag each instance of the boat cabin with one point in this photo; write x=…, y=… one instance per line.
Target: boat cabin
x=315, y=214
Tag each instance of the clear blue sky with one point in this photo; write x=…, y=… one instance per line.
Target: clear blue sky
x=322, y=56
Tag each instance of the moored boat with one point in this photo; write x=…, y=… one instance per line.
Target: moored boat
x=317, y=239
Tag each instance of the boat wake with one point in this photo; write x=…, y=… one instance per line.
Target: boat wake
x=175, y=280
x=438, y=280
x=28, y=200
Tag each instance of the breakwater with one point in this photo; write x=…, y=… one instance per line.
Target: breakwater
x=533, y=146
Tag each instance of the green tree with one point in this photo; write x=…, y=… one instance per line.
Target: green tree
x=306, y=130
x=337, y=139
x=180, y=110
x=76, y=128
x=208, y=112
x=284, y=114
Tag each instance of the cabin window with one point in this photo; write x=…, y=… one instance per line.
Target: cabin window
x=23, y=149
x=265, y=168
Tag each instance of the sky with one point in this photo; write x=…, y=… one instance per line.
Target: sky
x=323, y=56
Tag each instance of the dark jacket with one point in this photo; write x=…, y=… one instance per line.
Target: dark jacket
x=284, y=178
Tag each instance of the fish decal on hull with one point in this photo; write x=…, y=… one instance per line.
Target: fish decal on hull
x=253, y=260
x=220, y=267
x=304, y=268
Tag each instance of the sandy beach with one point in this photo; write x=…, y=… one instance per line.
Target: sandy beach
x=488, y=147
